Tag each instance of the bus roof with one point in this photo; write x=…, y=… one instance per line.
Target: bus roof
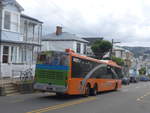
x=108, y=62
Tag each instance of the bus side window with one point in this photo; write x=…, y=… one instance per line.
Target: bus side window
x=114, y=74
x=109, y=74
x=99, y=73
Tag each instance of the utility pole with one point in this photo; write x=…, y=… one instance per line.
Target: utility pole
x=1, y=7
x=111, y=50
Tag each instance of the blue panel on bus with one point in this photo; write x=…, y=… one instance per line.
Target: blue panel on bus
x=52, y=67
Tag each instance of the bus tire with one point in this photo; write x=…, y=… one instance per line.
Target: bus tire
x=94, y=91
x=59, y=94
x=87, y=91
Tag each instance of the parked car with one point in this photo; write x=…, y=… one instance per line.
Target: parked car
x=125, y=81
x=134, y=79
x=144, y=78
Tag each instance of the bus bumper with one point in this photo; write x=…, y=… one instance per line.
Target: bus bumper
x=50, y=88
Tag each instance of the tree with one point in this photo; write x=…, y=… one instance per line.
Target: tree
x=119, y=61
x=100, y=48
x=142, y=71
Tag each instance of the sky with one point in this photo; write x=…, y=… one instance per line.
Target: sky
x=126, y=21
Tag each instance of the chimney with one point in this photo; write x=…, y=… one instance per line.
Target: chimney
x=58, y=30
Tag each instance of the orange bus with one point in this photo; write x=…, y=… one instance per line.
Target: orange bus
x=74, y=74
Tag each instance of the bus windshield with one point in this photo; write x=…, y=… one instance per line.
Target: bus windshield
x=53, y=58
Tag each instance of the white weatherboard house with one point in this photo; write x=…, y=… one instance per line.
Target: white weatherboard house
x=60, y=41
x=20, y=39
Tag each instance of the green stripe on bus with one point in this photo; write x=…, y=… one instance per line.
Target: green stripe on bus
x=55, y=77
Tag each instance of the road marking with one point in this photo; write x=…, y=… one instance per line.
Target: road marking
x=138, y=99
x=142, y=97
x=59, y=106
x=136, y=87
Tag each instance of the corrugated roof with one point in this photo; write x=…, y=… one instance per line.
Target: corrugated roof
x=64, y=36
x=31, y=18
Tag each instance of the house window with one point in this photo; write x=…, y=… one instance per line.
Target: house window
x=22, y=52
x=11, y=21
x=84, y=48
x=31, y=32
x=14, y=22
x=7, y=20
x=5, y=54
x=78, y=47
x=14, y=54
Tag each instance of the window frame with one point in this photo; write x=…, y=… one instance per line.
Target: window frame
x=11, y=15
x=84, y=48
x=78, y=49
x=5, y=55
x=79, y=73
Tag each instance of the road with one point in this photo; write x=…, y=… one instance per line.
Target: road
x=134, y=98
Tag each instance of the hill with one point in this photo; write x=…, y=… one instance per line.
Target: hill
x=138, y=51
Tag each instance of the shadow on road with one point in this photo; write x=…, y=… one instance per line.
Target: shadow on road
x=70, y=97
x=61, y=98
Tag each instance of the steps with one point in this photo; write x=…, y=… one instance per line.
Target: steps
x=10, y=89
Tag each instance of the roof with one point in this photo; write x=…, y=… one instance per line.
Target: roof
x=31, y=18
x=64, y=36
x=6, y=2
x=108, y=62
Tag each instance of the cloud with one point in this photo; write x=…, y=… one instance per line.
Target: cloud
x=124, y=20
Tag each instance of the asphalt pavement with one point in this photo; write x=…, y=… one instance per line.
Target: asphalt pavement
x=134, y=98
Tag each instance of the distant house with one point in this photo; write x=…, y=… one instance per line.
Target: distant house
x=60, y=41
x=128, y=57
x=20, y=39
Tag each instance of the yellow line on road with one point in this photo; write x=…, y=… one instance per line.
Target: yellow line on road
x=142, y=97
x=59, y=106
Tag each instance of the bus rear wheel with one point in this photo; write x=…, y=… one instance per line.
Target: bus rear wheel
x=94, y=91
x=59, y=94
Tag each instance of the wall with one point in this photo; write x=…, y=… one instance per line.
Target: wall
x=57, y=45
x=61, y=46
x=8, y=69
x=11, y=36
